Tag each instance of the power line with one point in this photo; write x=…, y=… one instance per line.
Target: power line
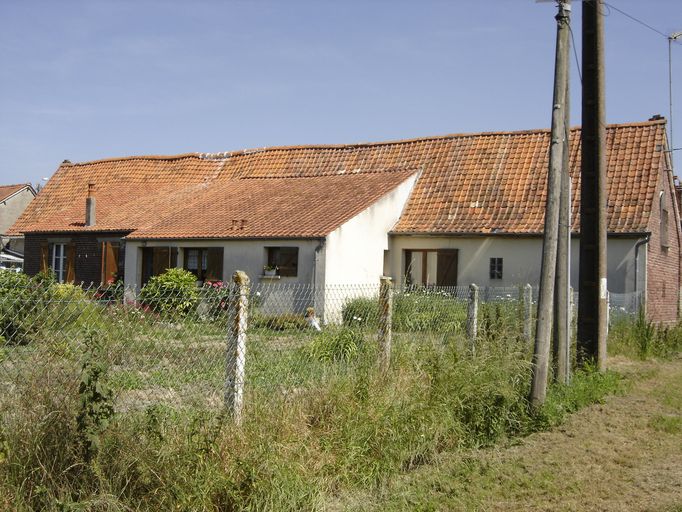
x=636, y=20
x=575, y=54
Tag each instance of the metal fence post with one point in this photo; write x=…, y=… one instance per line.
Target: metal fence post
x=528, y=313
x=472, y=315
x=385, y=321
x=236, y=346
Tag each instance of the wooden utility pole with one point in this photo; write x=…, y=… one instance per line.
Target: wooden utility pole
x=562, y=299
x=592, y=286
x=543, y=329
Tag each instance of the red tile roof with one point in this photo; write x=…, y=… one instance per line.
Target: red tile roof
x=469, y=183
x=8, y=190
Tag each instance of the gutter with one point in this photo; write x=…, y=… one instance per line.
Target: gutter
x=644, y=241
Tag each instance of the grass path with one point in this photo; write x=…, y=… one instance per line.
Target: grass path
x=624, y=454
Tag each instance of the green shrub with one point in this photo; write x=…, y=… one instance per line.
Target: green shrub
x=96, y=407
x=413, y=311
x=16, y=308
x=639, y=338
x=173, y=293
x=360, y=312
x=425, y=310
x=337, y=345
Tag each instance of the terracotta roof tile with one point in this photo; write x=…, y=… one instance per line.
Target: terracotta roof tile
x=469, y=183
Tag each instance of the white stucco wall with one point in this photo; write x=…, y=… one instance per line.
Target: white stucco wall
x=522, y=259
x=355, y=251
x=10, y=210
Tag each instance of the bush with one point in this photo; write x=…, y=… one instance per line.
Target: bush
x=413, y=311
x=215, y=299
x=339, y=345
x=642, y=339
x=22, y=302
x=361, y=311
x=173, y=293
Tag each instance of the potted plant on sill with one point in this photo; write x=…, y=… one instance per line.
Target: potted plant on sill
x=270, y=270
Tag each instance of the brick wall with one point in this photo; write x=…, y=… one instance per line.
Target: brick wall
x=663, y=263
x=88, y=253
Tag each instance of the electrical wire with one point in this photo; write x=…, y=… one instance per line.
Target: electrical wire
x=667, y=36
x=575, y=53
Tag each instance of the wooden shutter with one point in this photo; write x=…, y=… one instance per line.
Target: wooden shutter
x=70, y=263
x=109, y=261
x=447, y=268
x=214, y=266
x=44, y=257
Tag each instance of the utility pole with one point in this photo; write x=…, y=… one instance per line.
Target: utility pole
x=562, y=300
x=543, y=332
x=671, y=38
x=592, y=305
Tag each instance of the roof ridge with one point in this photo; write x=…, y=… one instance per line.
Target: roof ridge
x=180, y=156
x=16, y=185
x=221, y=155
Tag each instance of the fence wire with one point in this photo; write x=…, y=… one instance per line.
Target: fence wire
x=180, y=346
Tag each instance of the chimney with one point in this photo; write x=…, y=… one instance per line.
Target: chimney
x=90, y=205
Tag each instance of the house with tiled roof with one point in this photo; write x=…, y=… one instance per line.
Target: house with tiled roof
x=13, y=201
x=448, y=210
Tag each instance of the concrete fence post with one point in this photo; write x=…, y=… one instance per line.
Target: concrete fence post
x=472, y=315
x=608, y=311
x=236, y=345
x=385, y=322
x=528, y=313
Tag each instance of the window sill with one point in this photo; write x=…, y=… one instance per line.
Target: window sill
x=270, y=277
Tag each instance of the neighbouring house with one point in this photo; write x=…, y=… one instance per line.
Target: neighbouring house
x=446, y=211
x=13, y=201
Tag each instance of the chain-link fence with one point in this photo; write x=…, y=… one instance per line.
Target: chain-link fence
x=233, y=343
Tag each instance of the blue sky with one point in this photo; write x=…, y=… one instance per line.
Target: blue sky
x=93, y=79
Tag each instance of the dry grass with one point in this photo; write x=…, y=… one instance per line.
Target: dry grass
x=624, y=454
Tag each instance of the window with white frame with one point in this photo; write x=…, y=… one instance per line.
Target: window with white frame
x=58, y=261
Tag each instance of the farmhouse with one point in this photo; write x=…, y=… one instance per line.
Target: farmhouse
x=445, y=211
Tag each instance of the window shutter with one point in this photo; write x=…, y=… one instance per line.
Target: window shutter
x=214, y=269
x=70, y=263
x=44, y=257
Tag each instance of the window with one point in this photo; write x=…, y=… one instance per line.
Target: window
x=156, y=260
x=663, y=228
x=58, y=261
x=206, y=263
x=60, y=257
x=431, y=267
x=285, y=259
x=495, y=268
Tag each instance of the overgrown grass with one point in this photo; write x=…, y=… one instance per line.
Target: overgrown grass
x=321, y=418
x=344, y=425
x=637, y=338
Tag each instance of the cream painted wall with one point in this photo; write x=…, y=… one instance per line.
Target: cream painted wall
x=522, y=258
